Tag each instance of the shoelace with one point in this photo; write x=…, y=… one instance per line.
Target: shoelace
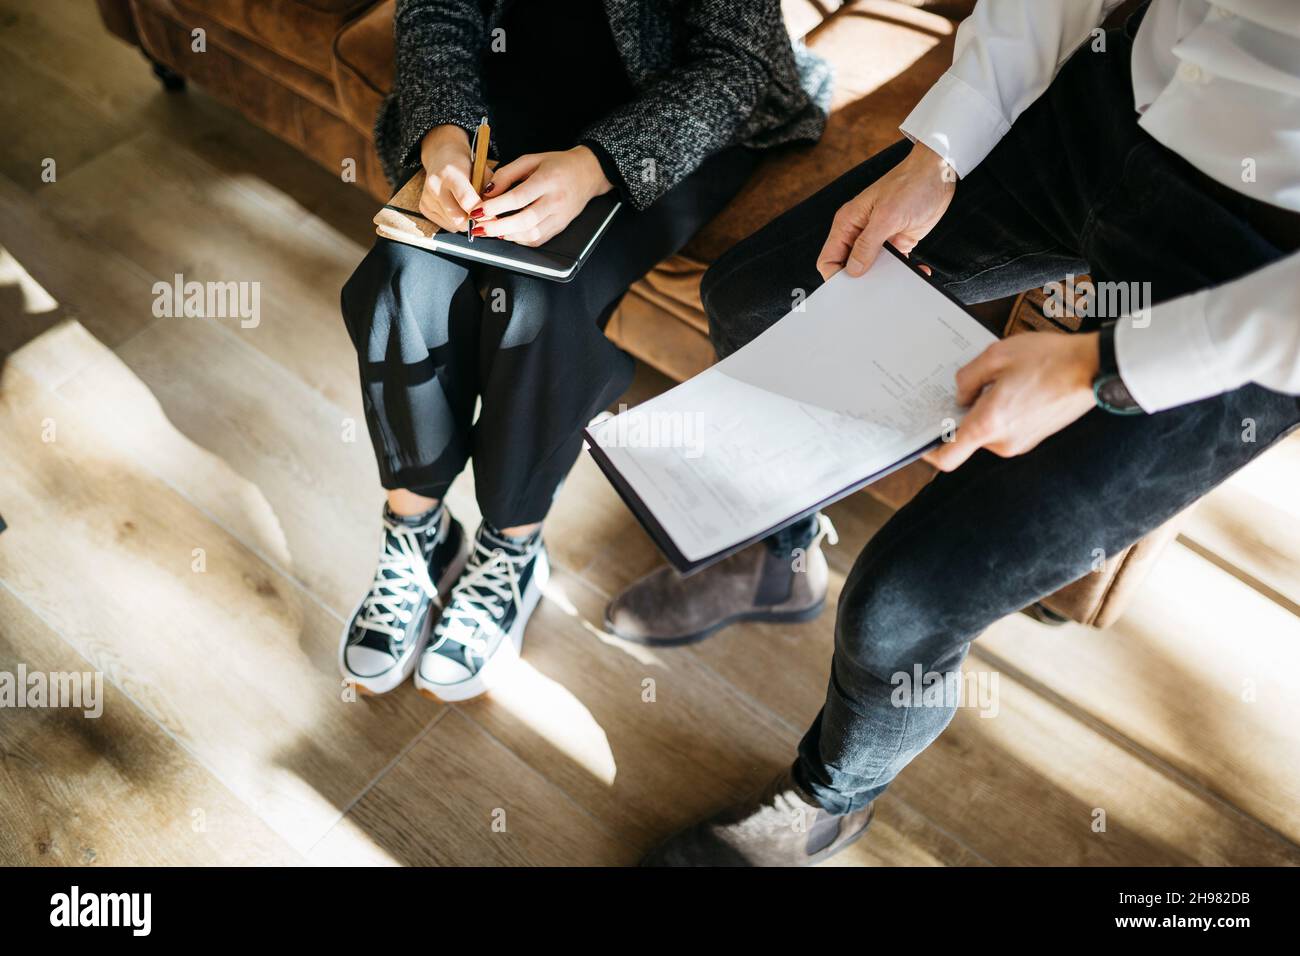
x=402, y=577
x=490, y=578
x=825, y=530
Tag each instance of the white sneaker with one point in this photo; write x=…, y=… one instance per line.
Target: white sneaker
x=390, y=627
x=480, y=633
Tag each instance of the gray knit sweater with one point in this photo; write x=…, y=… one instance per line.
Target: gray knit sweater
x=708, y=74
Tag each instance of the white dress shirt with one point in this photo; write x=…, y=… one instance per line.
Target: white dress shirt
x=1217, y=82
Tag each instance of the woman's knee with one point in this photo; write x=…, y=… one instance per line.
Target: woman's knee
x=360, y=296
x=397, y=283
x=523, y=304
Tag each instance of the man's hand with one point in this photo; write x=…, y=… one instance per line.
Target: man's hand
x=448, y=195
x=1024, y=389
x=549, y=190
x=900, y=207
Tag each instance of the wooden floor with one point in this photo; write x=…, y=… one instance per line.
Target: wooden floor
x=137, y=449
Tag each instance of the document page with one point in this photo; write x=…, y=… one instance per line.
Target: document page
x=855, y=379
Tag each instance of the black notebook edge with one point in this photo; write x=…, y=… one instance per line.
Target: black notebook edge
x=467, y=251
x=645, y=517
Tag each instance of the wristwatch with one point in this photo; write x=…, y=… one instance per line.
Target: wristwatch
x=1108, y=388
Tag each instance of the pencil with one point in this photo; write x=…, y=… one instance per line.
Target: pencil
x=479, y=155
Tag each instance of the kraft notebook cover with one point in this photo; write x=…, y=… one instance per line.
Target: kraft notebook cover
x=559, y=259
x=854, y=384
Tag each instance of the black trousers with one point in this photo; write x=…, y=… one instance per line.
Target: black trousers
x=436, y=335
x=1075, y=186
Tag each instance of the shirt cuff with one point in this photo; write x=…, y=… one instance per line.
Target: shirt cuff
x=1166, y=356
x=957, y=123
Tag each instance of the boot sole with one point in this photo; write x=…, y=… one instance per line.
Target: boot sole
x=778, y=617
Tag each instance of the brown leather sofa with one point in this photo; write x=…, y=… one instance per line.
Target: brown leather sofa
x=313, y=72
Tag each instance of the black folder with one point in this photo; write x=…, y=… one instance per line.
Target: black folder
x=664, y=541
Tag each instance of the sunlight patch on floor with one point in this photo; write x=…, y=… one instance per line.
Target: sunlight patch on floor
x=554, y=592
x=36, y=301
x=554, y=714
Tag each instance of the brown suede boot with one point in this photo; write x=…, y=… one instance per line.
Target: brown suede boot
x=781, y=826
x=664, y=608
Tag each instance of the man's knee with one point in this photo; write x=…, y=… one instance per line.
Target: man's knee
x=737, y=300
x=715, y=285
x=887, y=624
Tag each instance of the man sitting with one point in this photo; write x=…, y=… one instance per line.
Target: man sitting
x=1166, y=153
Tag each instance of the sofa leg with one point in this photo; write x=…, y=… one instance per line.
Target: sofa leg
x=172, y=81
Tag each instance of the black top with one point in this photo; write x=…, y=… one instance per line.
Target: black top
x=558, y=73
x=707, y=75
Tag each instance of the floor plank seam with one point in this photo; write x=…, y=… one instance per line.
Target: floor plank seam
x=797, y=733
x=383, y=772
x=144, y=273
x=327, y=404
x=1071, y=709
x=1126, y=743
x=211, y=170
x=618, y=837
x=148, y=714
x=127, y=133
x=1240, y=574
x=286, y=573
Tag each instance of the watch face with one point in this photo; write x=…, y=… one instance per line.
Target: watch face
x=1112, y=391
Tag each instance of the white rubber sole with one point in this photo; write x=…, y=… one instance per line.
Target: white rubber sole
x=395, y=676
x=498, y=667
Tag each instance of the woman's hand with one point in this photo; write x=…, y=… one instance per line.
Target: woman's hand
x=900, y=207
x=1024, y=388
x=549, y=190
x=448, y=195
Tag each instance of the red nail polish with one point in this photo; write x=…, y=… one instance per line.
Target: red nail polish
x=477, y=213
x=480, y=231
x=488, y=188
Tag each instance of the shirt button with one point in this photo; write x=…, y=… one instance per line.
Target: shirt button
x=1189, y=73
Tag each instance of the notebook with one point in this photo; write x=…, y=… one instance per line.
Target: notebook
x=559, y=259
x=855, y=382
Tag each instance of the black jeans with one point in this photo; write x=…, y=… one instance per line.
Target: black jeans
x=1076, y=186
x=434, y=334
